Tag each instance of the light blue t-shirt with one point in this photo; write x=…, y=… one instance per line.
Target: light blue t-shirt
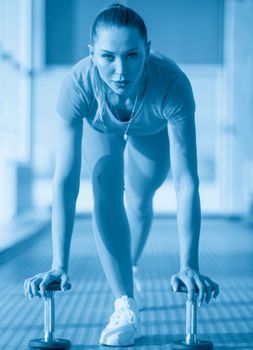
x=167, y=98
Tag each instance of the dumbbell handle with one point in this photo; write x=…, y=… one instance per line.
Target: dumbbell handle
x=191, y=322
x=183, y=289
x=49, y=310
x=49, y=317
x=56, y=286
x=191, y=317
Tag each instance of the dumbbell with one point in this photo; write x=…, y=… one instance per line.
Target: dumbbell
x=49, y=341
x=191, y=341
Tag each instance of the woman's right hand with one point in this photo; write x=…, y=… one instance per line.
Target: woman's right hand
x=36, y=286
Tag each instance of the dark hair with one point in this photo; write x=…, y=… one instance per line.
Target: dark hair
x=118, y=15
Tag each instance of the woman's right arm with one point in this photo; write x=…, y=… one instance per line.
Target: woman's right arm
x=66, y=184
x=65, y=189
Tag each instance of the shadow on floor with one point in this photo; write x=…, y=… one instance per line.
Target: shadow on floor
x=163, y=342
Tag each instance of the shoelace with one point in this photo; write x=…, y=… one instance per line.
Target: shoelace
x=116, y=316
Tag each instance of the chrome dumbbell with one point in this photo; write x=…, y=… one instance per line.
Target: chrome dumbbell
x=50, y=341
x=191, y=341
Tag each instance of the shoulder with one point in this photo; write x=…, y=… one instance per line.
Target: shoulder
x=162, y=65
x=169, y=85
x=79, y=73
x=165, y=75
x=75, y=93
x=173, y=86
x=77, y=81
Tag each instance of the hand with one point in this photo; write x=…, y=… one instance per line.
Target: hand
x=192, y=280
x=36, y=285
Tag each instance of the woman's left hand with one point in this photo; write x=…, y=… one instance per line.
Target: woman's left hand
x=192, y=280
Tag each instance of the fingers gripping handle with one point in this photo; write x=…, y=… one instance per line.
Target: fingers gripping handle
x=183, y=289
x=56, y=286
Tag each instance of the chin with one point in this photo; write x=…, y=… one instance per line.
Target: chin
x=120, y=91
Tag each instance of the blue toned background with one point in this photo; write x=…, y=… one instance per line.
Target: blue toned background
x=40, y=40
x=211, y=40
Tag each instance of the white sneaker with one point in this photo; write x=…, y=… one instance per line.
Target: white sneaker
x=137, y=289
x=124, y=325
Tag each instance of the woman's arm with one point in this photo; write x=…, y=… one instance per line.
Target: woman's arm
x=65, y=191
x=183, y=152
x=183, y=155
x=65, y=188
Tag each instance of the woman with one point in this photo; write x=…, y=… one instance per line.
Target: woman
x=123, y=96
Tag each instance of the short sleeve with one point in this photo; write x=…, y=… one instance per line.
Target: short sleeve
x=179, y=103
x=72, y=102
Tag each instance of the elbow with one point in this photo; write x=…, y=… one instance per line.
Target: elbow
x=66, y=186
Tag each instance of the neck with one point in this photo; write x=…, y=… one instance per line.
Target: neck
x=130, y=97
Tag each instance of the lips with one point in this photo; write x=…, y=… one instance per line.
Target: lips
x=121, y=83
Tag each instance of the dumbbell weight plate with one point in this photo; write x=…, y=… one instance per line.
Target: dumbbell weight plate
x=201, y=345
x=42, y=344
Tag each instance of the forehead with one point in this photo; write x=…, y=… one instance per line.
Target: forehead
x=118, y=39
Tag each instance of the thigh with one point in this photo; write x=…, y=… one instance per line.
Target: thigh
x=148, y=163
x=103, y=155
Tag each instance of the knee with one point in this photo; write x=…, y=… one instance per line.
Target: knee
x=142, y=205
x=107, y=179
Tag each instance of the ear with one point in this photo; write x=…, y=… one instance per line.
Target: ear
x=148, y=46
x=91, y=50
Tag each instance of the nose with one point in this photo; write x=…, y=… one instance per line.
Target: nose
x=120, y=68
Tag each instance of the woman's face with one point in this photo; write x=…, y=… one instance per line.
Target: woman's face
x=120, y=54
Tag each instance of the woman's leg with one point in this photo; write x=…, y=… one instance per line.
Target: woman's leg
x=103, y=155
x=147, y=167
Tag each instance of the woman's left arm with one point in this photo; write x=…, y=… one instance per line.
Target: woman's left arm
x=183, y=154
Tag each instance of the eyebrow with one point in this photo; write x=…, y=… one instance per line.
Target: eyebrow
x=111, y=52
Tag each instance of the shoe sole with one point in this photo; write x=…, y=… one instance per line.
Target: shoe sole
x=124, y=339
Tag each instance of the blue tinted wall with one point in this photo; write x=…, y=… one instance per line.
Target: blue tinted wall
x=189, y=31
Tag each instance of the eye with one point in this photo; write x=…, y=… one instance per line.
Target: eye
x=132, y=54
x=108, y=57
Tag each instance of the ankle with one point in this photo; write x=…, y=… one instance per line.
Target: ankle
x=125, y=300
x=135, y=268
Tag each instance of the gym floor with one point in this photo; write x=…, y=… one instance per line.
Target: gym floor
x=226, y=255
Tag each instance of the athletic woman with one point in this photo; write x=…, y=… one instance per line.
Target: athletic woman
x=124, y=97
